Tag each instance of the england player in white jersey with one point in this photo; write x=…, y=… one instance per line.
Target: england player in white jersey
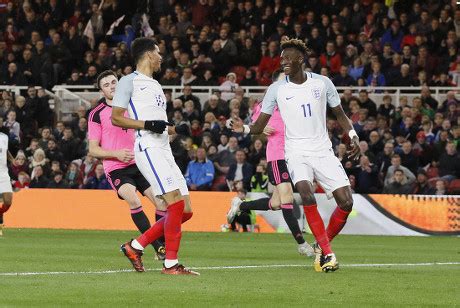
x=145, y=101
x=302, y=99
x=5, y=181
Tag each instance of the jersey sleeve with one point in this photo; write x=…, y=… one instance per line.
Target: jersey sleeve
x=94, y=126
x=333, y=98
x=123, y=92
x=269, y=102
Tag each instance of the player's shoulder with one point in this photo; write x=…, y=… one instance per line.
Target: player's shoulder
x=277, y=84
x=128, y=78
x=319, y=77
x=95, y=113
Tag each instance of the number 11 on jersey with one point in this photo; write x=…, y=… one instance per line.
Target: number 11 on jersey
x=304, y=107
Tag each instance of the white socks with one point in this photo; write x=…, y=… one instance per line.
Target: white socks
x=135, y=244
x=170, y=263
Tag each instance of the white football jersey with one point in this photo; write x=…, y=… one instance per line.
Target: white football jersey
x=303, y=109
x=144, y=99
x=3, y=153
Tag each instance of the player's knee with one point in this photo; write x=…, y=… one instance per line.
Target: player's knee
x=346, y=204
x=275, y=206
x=307, y=198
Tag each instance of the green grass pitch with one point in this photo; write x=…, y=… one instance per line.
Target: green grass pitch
x=46, y=251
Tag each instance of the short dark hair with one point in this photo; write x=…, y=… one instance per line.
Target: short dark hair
x=103, y=75
x=140, y=46
x=296, y=44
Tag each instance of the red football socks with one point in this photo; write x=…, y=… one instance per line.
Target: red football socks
x=173, y=234
x=317, y=227
x=336, y=223
x=158, y=230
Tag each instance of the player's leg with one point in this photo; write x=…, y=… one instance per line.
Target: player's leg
x=302, y=175
x=344, y=199
x=127, y=191
x=263, y=204
x=7, y=202
x=334, y=180
x=160, y=174
x=286, y=200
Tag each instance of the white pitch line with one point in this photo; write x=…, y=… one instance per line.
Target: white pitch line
x=227, y=267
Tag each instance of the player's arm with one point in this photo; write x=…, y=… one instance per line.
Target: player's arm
x=124, y=155
x=333, y=100
x=268, y=105
x=121, y=100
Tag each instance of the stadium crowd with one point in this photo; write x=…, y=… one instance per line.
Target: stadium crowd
x=408, y=146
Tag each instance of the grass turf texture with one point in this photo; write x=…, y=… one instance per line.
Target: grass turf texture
x=58, y=250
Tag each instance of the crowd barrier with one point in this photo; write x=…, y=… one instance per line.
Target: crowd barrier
x=102, y=210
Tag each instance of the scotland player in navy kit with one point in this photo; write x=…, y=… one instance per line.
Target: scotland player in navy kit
x=302, y=99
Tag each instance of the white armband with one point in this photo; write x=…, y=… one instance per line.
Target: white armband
x=352, y=133
x=246, y=129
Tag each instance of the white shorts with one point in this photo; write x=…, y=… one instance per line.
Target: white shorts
x=161, y=171
x=5, y=183
x=326, y=170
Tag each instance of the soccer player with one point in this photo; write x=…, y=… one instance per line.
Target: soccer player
x=5, y=181
x=145, y=101
x=279, y=177
x=302, y=99
x=115, y=146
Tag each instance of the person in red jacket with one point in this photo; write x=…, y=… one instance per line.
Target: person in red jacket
x=331, y=59
x=269, y=63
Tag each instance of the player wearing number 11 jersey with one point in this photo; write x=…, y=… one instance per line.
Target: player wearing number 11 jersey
x=302, y=99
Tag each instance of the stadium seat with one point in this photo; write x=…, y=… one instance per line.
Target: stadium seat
x=432, y=172
x=239, y=70
x=454, y=187
x=218, y=180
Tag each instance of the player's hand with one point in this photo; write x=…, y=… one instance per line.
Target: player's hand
x=268, y=130
x=235, y=124
x=156, y=126
x=354, y=152
x=125, y=155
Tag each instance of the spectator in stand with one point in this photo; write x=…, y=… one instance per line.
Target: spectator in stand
x=74, y=177
x=421, y=186
x=220, y=59
x=376, y=78
x=240, y=171
x=99, y=180
x=269, y=63
x=366, y=103
x=394, y=36
x=58, y=181
x=227, y=88
x=386, y=109
x=399, y=185
x=259, y=181
x=13, y=126
x=408, y=158
x=39, y=180
x=356, y=71
x=200, y=172
x=188, y=95
x=69, y=146
x=449, y=163
x=331, y=58
x=366, y=174
x=441, y=187
x=18, y=165
x=396, y=165
x=343, y=79
x=22, y=182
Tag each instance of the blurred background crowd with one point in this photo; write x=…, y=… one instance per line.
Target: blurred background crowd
x=407, y=146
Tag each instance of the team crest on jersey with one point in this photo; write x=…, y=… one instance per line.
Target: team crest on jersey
x=160, y=101
x=316, y=92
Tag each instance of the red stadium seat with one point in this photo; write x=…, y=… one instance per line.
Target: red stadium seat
x=218, y=181
x=454, y=187
x=240, y=71
x=432, y=172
